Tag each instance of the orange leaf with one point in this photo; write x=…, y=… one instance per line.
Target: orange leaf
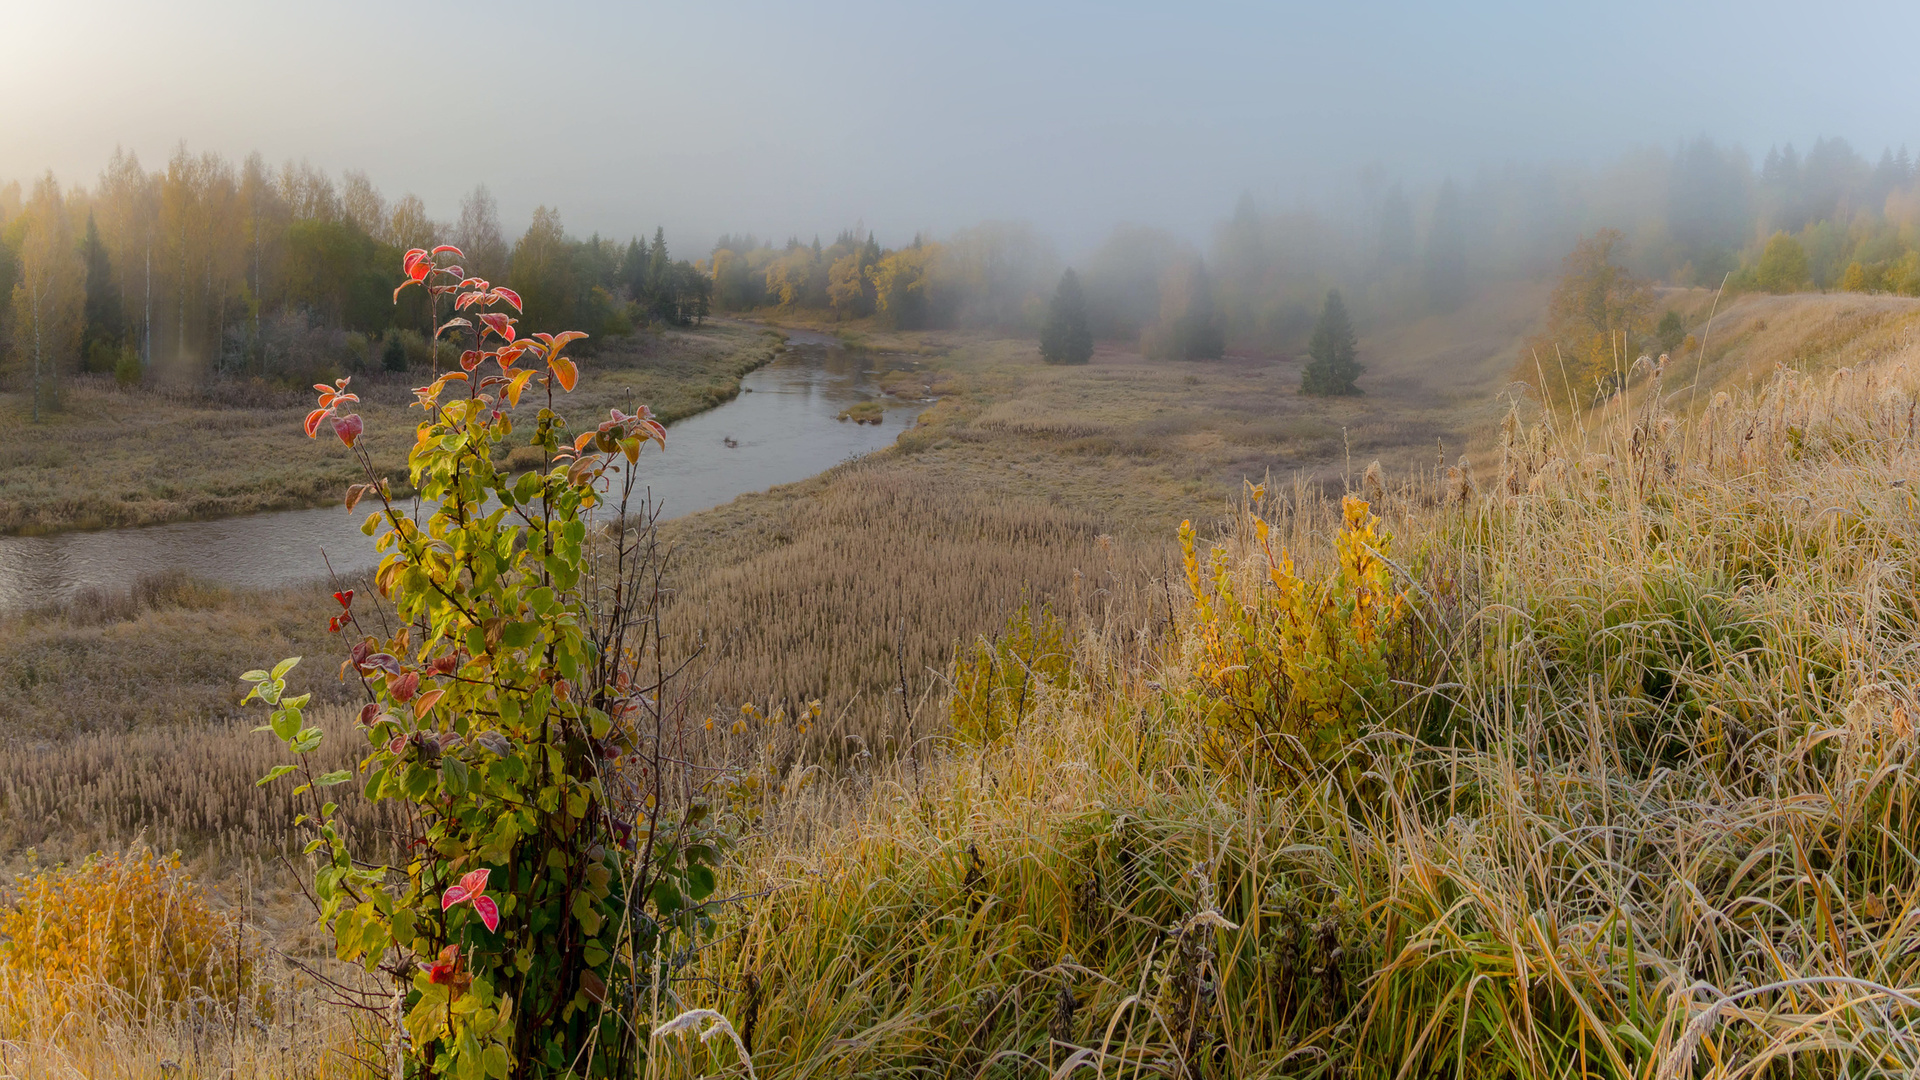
x=564, y=370
x=425, y=702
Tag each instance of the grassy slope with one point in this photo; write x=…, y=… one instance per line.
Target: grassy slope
x=890, y=951
x=112, y=458
x=1674, y=761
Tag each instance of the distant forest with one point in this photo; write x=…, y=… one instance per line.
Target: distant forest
x=256, y=270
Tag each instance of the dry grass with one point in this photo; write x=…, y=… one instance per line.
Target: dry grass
x=185, y=788
x=1657, y=819
x=166, y=653
x=113, y=457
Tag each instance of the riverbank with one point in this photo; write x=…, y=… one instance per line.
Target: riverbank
x=112, y=458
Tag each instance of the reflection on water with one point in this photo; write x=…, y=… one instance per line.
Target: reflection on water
x=781, y=428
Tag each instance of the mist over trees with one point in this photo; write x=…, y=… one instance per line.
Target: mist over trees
x=205, y=265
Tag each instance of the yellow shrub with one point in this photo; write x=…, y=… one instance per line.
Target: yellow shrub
x=1293, y=670
x=995, y=682
x=133, y=928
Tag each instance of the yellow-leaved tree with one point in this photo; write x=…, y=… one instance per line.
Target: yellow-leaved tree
x=50, y=296
x=1596, y=318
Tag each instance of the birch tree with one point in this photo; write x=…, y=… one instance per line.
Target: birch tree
x=49, y=297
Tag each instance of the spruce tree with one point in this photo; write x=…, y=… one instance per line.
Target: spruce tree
x=633, y=269
x=100, y=331
x=1332, y=368
x=1065, y=339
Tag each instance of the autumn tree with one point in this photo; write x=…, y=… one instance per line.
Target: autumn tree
x=901, y=280
x=1332, y=368
x=1594, y=317
x=1783, y=265
x=479, y=237
x=542, y=270
x=49, y=294
x=1066, y=338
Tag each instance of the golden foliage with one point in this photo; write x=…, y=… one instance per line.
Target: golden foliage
x=998, y=680
x=1290, y=667
x=132, y=926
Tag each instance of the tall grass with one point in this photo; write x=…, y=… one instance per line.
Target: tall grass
x=1655, y=817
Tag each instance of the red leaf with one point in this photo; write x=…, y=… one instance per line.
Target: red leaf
x=323, y=388
x=313, y=421
x=401, y=289
x=499, y=324
x=333, y=625
x=403, y=687
x=444, y=248
x=345, y=597
x=451, y=324
x=368, y=713
x=408, y=260
x=509, y=296
x=475, y=881
x=470, y=359
x=420, y=270
x=348, y=428
x=489, y=913
x=454, y=895
x=507, y=355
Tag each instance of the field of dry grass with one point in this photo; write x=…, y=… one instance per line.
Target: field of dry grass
x=113, y=457
x=1666, y=760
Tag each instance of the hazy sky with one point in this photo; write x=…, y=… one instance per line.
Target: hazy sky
x=797, y=118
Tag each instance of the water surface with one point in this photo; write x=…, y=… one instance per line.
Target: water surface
x=781, y=428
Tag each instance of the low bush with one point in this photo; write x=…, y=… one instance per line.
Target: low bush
x=127, y=931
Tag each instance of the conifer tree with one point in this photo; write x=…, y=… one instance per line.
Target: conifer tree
x=100, y=334
x=1332, y=368
x=633, y=269
x=1066, y=338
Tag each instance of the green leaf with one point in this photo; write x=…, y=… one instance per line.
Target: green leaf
x=596, y=953
x=254, y=676
x=275, y=773
x=337, y=776
x=699, y=882
x=373, y=522
x=453, y=773
x=286, y=724
x=280, y=669
x=494, y=1060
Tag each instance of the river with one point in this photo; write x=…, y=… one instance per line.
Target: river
x=783, y=427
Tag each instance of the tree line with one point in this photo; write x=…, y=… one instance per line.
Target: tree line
x=205, y=266
x=251, y=269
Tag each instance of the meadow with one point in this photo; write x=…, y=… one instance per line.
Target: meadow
x=1616, y=781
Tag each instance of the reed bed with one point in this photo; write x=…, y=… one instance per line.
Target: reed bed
x=857, y=596
x=188, y=788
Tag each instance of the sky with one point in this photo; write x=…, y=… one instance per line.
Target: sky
x=787, y=118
